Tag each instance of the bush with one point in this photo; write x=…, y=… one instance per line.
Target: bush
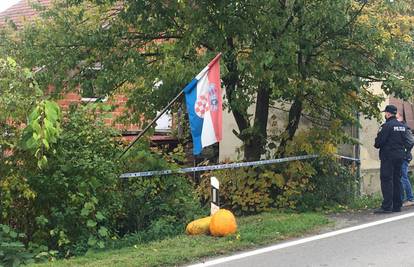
x=158, y=205
x=75, y=198
x=257, y=189
x=301, y=185
x=77, y=201
x=332, y=185
x=243, y=191
x=12, y=251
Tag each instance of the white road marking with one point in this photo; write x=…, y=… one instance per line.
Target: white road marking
x=301, y=241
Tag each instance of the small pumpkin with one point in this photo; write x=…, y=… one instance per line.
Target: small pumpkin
x=200, y=226
x=223, y=223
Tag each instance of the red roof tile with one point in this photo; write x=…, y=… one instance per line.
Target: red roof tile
x=21, y=11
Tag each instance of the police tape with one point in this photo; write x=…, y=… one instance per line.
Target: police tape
x=224, y=166
x=349, y=158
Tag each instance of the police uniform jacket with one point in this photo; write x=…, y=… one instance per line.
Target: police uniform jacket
x=390, y=139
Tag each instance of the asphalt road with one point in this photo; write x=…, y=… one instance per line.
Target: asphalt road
x=380, y=241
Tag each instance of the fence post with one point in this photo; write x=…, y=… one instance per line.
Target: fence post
x=215, y=199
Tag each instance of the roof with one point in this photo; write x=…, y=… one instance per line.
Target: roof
x=21, y=12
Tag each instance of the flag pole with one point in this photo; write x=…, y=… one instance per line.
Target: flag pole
x=217, y=57
x=152, y=122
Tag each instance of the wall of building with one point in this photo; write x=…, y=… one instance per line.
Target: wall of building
x=368, y=132
x=370, y=163
x=230, y=147
x=230, y=144
x=163, y=128
x=118, y=101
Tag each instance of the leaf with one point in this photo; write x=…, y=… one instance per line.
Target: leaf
x=101, y=244
x=35, y=136
x=36, y=127
x=89, y=206
x=11, y=62
x=103, y=231
x=99, y=216
x=13, y=234
x=90, y=223
x=42, y=162
x=279, y=180
x=46, y=143
x=5, y=228
x=52, y=114
x=92, y=241
x=85, y=212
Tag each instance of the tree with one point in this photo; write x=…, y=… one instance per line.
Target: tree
x=28, y=121
x=18, y=94
x=317, y=58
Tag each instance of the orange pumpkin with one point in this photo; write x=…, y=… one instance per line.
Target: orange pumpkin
x=223, y=223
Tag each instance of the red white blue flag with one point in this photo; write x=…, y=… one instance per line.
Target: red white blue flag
x=204, y=106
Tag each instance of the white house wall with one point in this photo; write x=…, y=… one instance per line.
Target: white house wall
x=230, y=145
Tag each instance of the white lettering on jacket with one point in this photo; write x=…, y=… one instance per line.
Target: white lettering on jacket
x=399, y=129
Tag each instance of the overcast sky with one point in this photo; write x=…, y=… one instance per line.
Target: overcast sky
x=4, y=4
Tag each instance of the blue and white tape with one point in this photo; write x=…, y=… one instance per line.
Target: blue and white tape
x=223, y=166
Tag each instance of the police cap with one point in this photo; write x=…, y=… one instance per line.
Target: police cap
x=391, y=109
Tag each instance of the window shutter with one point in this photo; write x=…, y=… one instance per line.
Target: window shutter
x=405, y=108
x=409, y=114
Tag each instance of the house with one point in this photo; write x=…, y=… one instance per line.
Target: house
x=23, y=12
x=369, y=159
x=370, y=163
x=368, y=155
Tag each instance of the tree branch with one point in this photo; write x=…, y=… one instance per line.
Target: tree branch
x=332, y=34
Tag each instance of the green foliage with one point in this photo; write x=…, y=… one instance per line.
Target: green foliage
x=318, y=57
x=366, y=202
x=244, y=190
x=253, y=190
x=253, y=231
x=42, y=130
x=333, y=185
x=303, y=185
x=77, y=201
x=159, y=205
x=77, y=193
x=319, y=183
x=18, y=93
x=297, y=175
x=74, y=199
x=12, y=251
x=160, y=229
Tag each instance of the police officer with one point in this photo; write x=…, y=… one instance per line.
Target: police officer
x=406, y=192
x=390, y=141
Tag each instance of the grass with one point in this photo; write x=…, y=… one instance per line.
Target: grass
x=360, y=203
x=253, y=231
x=367, y=202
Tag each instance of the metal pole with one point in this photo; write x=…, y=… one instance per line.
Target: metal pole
x=151, y=123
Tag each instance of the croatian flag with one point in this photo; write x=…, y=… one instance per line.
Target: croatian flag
x=204, y=106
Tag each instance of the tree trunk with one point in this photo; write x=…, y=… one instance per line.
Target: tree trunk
x=231, y=84
x=254, y=145
x=295, y=113
x=253, y=137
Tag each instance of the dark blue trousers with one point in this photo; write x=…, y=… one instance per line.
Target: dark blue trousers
x=390, y=174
